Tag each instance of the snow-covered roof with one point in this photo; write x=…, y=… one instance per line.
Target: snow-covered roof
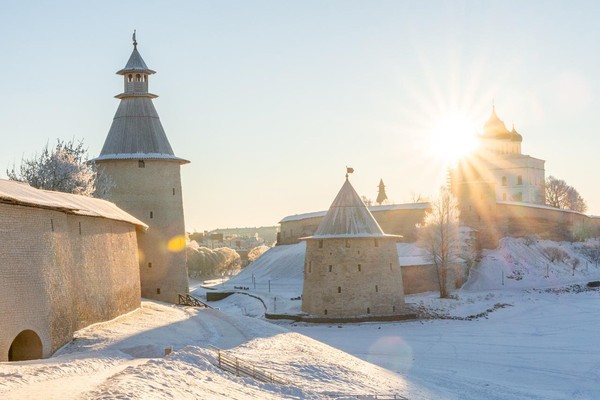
x=542, y=206
x=348, y=216
x=136, y=129
x=135, y=64
x=140, y=156
x=388, y=207
x=23, y=194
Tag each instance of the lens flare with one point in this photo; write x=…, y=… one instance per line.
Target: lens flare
x=176, y=244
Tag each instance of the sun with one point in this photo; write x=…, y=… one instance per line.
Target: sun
x=452, y=138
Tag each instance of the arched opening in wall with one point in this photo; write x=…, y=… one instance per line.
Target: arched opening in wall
x=26, y=346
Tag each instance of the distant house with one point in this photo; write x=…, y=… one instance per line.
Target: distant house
x=66, y=261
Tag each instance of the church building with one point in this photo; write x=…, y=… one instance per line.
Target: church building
x=351, y=267
x=145, y=172
x=517, y=177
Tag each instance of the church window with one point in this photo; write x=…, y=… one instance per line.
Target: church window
x=519, y=180
x=141, y=164
x=503, y=181
x=320, y=243
x=331, y=268
x=339, y=289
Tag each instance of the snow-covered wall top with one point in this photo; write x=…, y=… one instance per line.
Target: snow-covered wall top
x=389, y=207
x=22, y=193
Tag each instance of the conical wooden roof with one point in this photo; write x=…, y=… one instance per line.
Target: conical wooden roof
x=136, y=131
x=135, y=64
x=348, y=217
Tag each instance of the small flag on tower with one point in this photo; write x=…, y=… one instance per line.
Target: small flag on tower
x=349, y=171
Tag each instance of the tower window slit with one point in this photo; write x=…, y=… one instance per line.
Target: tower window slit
x=52, y=224
x=80, y=227
x=151, y=214
x=141, y=164
x=339, y=289
x=330, y=268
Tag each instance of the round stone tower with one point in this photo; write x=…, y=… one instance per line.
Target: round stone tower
x=140, y=163
x=351, y=267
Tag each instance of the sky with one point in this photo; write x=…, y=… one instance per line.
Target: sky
x=271, y=100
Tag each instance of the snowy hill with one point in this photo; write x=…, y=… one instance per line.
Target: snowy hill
x=490, y=341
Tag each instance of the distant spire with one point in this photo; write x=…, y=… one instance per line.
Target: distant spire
x=134, y=41
x=381, y=196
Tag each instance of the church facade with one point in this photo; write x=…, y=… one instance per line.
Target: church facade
x=515, y=176
x=138, y=158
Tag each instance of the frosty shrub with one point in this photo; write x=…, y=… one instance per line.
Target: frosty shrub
x=592, y=252
x=257, y=252
x=205, y=263
x=554, y=254
x=63, y=168
x=529, y=240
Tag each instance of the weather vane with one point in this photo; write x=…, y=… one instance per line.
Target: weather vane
x=349, y=170
x=134, y=41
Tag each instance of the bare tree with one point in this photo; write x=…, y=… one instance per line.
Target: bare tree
x=64, y=168
x=440, y=236
x=560, y=195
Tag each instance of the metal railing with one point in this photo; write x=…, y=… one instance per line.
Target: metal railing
x=189, y=300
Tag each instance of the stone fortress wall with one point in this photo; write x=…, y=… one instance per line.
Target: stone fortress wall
x=60, y=272
x=506, y=219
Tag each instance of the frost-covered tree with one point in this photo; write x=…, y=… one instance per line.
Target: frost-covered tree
x=560, y=195
x=257, y=252
x=208, y=263
x=63, y=168
x=440, y=236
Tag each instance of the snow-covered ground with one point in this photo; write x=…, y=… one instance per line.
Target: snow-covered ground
x=520, y=329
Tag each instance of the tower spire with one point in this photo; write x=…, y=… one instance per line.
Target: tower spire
x=134, y=41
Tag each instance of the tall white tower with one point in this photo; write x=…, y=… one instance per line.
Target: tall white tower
x=146, y=173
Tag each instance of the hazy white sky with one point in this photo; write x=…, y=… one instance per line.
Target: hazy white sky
x=270, y=100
